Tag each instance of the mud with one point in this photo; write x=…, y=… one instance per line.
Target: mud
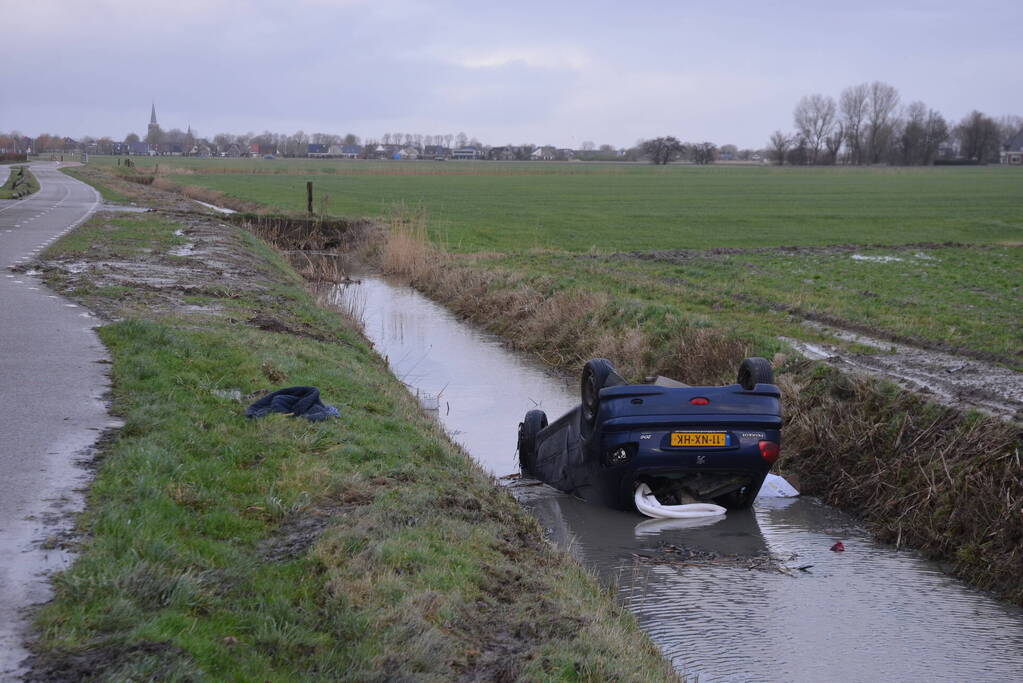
x=212, y=262
x=154, y=660
x=943, y=377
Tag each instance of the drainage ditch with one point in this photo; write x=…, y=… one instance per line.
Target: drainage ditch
x=757, y=595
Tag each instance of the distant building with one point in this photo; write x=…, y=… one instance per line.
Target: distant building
x=466, y=153
x=436, y=151
x=545, y=153
x=502, y=154
x=1012, y=151
x=345, y=151
x=154, y=127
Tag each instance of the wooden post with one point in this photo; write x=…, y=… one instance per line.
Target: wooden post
x=309, y=196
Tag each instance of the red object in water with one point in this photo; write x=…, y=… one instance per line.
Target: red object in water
x=838, y=547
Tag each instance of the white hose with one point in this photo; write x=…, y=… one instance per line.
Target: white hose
x=647, y=503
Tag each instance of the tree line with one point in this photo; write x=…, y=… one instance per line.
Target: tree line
x=868, y=125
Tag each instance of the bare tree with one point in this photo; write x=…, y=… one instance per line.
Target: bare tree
x=978, y=137
x=701, y=153
x=833, y=143
x=1008, y=126
x=779, y=145
x=588, y=146
x=814, y=117
x=461, y=139
x=936, y=134
x=662, y=150
x=853, y=103
x=883, y=101
x=914, y=134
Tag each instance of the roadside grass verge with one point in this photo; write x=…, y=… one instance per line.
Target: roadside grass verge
x=20, y=183
x=91, y=177
x=363, y=548
x=945, y=481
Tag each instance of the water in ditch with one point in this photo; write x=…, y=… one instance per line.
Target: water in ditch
x=756, y=596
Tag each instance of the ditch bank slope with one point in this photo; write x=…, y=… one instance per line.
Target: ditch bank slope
x=924, y=475
x=364, y=548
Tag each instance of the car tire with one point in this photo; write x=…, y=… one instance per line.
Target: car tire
x=595, y=375
x=531, y=425
x=754, y=371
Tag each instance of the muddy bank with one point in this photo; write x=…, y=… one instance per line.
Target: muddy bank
x=953, y=380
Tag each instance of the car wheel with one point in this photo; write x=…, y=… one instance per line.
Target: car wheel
x=531, y=425
x=754, y=371
x=595, y=375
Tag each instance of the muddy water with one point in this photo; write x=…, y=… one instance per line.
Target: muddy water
x=756, y=596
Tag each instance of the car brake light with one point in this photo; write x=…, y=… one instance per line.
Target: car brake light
x=699, y=401
x=769, y=451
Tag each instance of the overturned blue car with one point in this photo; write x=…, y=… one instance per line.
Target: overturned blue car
x=685, y=443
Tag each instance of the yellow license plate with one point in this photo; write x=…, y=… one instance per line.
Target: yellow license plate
x=698, y=439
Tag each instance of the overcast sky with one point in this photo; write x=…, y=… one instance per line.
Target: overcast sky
x=516, y=71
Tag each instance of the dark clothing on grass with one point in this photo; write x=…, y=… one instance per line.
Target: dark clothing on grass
x=299, y=401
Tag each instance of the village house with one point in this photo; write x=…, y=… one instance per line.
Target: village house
x=1012, y=150
x=346, y=151
x=466, y=153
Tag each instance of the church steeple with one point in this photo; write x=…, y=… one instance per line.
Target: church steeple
x=152, y=117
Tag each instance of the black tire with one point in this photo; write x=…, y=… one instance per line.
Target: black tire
x=754, y=371
x=595, y=375
x=531, y=425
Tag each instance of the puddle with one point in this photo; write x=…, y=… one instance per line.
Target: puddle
x=124, y=208
x=214, y=207
x=875, y=259
x=729, y=599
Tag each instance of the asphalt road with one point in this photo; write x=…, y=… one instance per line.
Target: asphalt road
x=51, y=385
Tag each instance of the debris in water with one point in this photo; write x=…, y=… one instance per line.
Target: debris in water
x=838, y=547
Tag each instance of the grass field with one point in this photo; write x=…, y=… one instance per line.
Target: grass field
x=562, y=224
x=487, y=206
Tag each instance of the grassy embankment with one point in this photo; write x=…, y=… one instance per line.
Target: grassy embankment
x=106, y=192
x=948, y=482
x=364, y=548
x=20, y=183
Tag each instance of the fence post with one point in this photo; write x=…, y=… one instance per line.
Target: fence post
x=309, y=196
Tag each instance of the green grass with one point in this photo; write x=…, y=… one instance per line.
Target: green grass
x=27, y=184
x=956, y=297
x=363, y=548
x=472, y=207
x=87, y=176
